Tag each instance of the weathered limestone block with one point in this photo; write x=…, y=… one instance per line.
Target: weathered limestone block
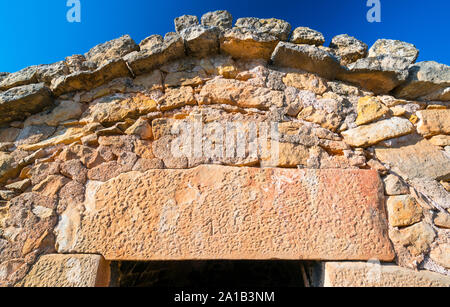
x=378, y=74
x=363, y=274
x=242, y=94
x=308, y=58
x=413, y=157
x=393, y=185
x=304, y=35
x=374, y=133
x=245, y=44
x=441, y=255
x=221, y=19
x=348, y=48
x=26, y=76
x=68, y=271
x=440, y=140
x=65, y=110
x=433, y=190
x=21, y=101
x=215, y=212
x=426, y=81
x=274, y=27
x=433, y=122
x=156, y=53
x=87, y=80
x=403, y=210
x=114, y=49
x=201, y=41
x=394, y=48
x=370, y=109
x=417, y=238
x=184, y=22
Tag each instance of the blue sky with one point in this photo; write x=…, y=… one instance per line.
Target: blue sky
x=37, y=32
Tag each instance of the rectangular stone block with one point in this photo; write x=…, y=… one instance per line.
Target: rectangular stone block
x=218, y=212
x=68, y=271
x=364, y=274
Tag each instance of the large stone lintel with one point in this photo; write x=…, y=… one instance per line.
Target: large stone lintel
x=218, y=212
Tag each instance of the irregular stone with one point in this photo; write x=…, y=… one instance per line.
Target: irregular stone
x=416, y=238
x=8, y=167
x=327, y=120
x=394, y=48
x=177, y=79
x=403, y=210
x=112, y=50
x=105, y=171
x=8, y=135
x=176, y=98
x=440, y=140
x=87, y=80
x=370, y=109
x=64, y=111
x=441, y=255
x=34, y=134
x=304, y=35
x=348, y=48
x=306, y=81
x=274, y=27
x=377, y=74
x=18, y=102
x=156, y=53
x=117, y=108
x=433, y=191
x=77, y=62
x=143, y=165
x=234, y=92
x=393, y=185
x=19, y=186
x=433, y=122
x=7, y=195
x=141, y=128
x=366, y=274
x=442, y=220
x=221, y=19
x=185, y=22
x=426, y=81
x=120, y=85
x=51, y=185
x=174, y=195
x=292, y=155
x=201, y=41
x=68, y=271
x=74, y=170
x=25, y=76
x=41, y=171
x=306, y=57
x=413, y=157
x=162, y=149
x=374, y=133
x=244, y=44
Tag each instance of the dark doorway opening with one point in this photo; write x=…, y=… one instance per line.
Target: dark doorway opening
x=209, y=274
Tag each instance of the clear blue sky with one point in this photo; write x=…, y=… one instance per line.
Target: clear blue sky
x=37, y=32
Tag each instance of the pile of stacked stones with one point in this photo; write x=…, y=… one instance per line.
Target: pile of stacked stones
x=90, y=118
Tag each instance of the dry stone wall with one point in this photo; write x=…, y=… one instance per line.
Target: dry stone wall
x=284, y=149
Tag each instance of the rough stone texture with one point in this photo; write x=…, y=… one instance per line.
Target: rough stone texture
x=393, y=185
x=274, y=27
x=441, y=255
x=201, y=41
x=64, y=111
x=221, y=19
x=21, y=101
x=68, y=271
x=370, y=109
x=243, y=44
x=443, y=220
x=114, y=49
x=363, y=274
x=87, y=80
x=413, y=157
x=403, y=210
x=156, y=53
x=348, y=48
x=304, y=35
x=184, y=22
x=394, y=48
x=378, y=74
x=426, y=80
x=433, y=122
x=267, y=214
x=306, y=57
x=374, y=133
x=433, y=191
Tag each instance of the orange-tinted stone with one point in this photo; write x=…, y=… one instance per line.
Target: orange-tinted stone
x=217, y=212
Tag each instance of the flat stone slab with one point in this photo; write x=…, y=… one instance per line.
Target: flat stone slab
x=364, y=274
x=218, y=212
x=68, y=271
